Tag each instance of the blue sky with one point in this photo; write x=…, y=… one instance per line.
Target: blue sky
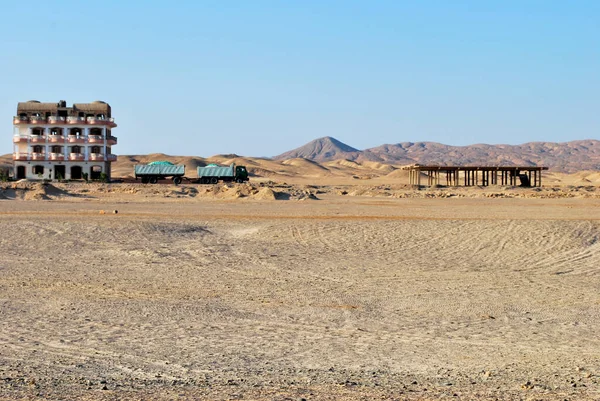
x=258, y=78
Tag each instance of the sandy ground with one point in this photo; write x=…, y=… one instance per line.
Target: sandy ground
x=362, y=293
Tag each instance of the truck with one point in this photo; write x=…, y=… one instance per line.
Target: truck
x=212, y=174
x=154, y=171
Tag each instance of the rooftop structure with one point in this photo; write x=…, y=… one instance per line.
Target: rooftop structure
x=55, y=141
x=526, y=176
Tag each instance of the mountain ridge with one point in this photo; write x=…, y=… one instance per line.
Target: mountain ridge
x=560, y=156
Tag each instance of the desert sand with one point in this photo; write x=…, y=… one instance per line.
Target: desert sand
x=281, y=290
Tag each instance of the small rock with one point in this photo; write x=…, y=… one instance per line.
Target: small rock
x=527, y=386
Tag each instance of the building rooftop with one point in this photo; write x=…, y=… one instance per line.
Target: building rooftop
x=34, y=106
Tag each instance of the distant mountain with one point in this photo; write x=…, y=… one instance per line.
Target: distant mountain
x=563, y=157
x=322, y=149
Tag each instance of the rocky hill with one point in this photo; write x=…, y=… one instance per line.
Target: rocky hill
x=322, y=149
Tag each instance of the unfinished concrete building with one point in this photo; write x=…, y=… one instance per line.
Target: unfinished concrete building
x=55, y=141
x=526, y=176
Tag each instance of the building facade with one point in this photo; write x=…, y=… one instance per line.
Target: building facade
x=54, y=141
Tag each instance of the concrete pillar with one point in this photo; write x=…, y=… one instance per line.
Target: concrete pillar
x=104, y=141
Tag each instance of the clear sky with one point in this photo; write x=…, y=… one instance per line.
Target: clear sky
x=258, y=78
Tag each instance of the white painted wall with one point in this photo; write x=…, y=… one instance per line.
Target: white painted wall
x=49, y=166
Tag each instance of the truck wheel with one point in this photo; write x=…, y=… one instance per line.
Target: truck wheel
x=144, y=180
x=204, y=180
x=176, y=180
x=153, y=180
x=214, y=180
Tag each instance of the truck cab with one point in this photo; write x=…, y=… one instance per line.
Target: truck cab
x=241, y=174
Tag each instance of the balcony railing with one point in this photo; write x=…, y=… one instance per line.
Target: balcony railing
x=101, y=120
x=76, y=156
x=56, y=120
x=76, y=139
x=38, y=138
x=57, y=156
x=20, y=120
x=112, y=140
x=111, y=157
x=95, y=139
x=72, y=120
x=96, y=156
x=20, y=156
x=75, y=120
x=37, y=120
x=38, y=156
x=20, y=138
x=56, y=138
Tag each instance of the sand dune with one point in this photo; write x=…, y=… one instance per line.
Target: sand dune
x=304, y=171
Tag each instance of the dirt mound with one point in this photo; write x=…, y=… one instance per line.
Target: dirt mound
x=266, y=194
x=25, y=190
x=227, y=191
x=37, y=194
